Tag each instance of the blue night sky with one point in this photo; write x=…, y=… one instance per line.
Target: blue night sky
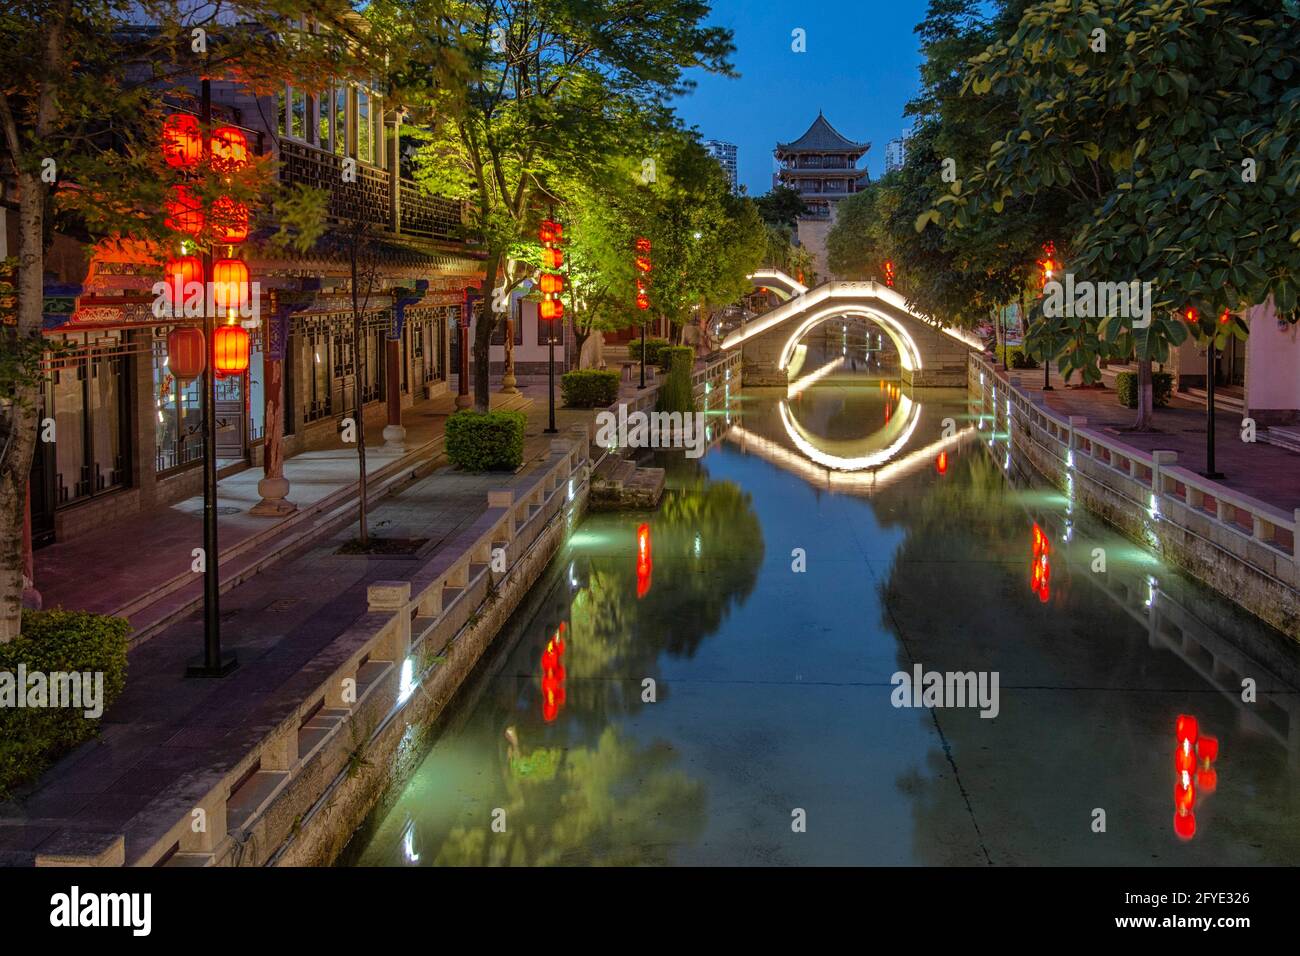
x=860, y=68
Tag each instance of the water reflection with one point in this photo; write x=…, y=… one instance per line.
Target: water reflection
x=681, y=681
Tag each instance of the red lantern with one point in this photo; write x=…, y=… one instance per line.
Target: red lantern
x=642, y=301
x=1186, y=728
x=643, y=263
x=229, y=220
x=184, y=211
x=1185, y=825
x=941, y=464
x=180, y=272
x=1184, y=794
x=1184, y=759
x=230, y=350
x=643, y=245
x=229, y=149
x=551, y=284
x=550, y=231
x=552, y=309
x=182, y=141
x=1207, y=750
x=185, y=356
x=230, y=283
x=552, y=258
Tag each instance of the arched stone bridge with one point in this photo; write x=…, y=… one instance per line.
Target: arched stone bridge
x=929, y=355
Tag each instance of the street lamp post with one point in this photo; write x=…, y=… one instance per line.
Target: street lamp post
x=213, y=662
x=643, y=354
x=1209, y=471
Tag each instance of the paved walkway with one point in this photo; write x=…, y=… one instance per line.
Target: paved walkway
x=166, y=730
x=1266, y=472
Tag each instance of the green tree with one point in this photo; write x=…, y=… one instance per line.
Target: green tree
x=550, y=83
x=1175, y=142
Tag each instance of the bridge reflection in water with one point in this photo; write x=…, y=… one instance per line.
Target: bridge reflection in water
x=833, y=536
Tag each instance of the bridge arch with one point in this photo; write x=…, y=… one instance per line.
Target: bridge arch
x=931, y=355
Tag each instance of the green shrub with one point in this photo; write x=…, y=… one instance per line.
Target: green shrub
x=1017, y=357
x=656, y=352
x=589, y=388
x=66, y=641
x=490, y=441
x=676, y=394
x=1162, y=388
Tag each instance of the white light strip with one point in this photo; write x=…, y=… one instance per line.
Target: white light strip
x=812, y=378
x=859, y=293
x=783, y=457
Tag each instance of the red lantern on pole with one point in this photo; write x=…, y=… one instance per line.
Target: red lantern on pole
x=230, y=348
x=185, y=355
x=180, y=272
x=230, y=283
x=184, y=211
x=182, y=141
x=551, y=309
x=229, y=149
x=229, y=220
x=550, y=231
x=551, y=284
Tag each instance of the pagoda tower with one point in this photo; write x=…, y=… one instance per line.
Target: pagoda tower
x=822, y=167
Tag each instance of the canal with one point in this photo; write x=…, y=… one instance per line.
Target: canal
x=714, y=683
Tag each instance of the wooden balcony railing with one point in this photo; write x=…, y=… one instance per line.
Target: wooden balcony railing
x=369, y=197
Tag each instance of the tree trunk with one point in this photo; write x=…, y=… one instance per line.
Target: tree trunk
x=1145, y=410
x=483, y=334
x=20, y=441
x=579, y=340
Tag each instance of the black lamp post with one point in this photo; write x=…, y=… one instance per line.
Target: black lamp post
x=642, y=353
x=550, y=376
x=1209, y=471
x=213, y=662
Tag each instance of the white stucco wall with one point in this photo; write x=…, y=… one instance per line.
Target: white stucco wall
x=1272, y=362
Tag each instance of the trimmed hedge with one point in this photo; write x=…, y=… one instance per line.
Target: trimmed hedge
x=656, y=352
x=1017, y=357
x=1162, y=388
x=589, y=388
x=488, y=441
x=676, y=394
x=31, y=738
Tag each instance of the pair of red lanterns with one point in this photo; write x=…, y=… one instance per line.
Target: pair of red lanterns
x=551, y=284
x=185, y=358
x=182, y=139
x=183, y=148
x=643, y=268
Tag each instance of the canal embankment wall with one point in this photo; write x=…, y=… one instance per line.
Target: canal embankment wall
x=307, y=782
x=1243, y=548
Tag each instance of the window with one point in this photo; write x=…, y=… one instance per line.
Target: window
x=318, y=374
x=365, y=139
x=178, y=423
x=517, y=317
x=340, y=126
x=545, y=329
x=298, y=114
x=87, y=397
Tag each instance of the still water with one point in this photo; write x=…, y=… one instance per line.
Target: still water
x=713, y=683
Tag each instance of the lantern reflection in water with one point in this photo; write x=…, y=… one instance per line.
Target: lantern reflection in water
x=553, y=675
x=1194, y=756
x=1040, y=580
x=644, y=564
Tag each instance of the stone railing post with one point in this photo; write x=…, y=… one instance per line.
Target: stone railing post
x=1159, y=461
x=392, y=597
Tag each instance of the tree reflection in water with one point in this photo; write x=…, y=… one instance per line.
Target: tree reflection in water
x=574, y=784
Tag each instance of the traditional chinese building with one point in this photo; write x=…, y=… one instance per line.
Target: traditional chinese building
x=822, y=167
x=128, y=436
